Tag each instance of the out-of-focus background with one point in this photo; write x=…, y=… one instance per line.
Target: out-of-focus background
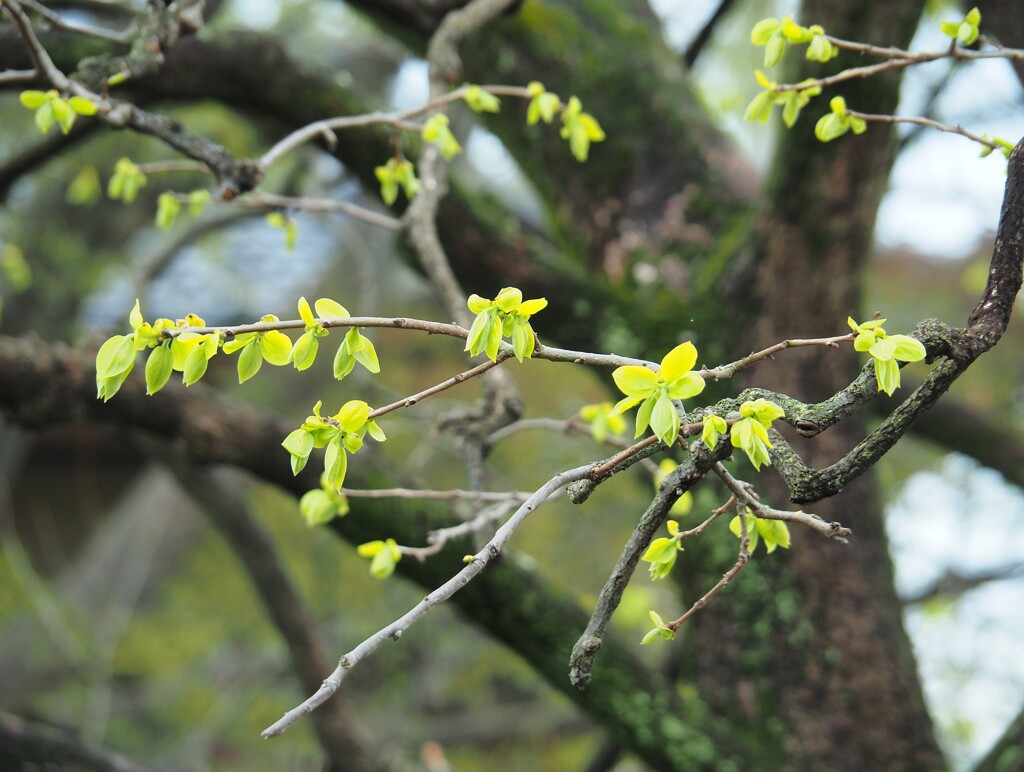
x=126, y=618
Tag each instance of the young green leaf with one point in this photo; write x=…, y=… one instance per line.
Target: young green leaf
x=436, y=131
x=482, y=101
x=304, y=352
x=249, y=362
x=158, y=368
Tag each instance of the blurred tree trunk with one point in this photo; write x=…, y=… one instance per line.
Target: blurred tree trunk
x=810, y=656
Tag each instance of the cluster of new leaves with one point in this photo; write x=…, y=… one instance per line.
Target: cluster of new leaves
x=776, y=36
x=168, y=206
x=384, y=556
x=436, y=130
x=508, y=315
x=185, y=352
x=341, y=434
x=50, y=108
x=176, y=347
x=128, y=179
x=966, y=30
x=601, y=421
x=774, y=533
x=886, y=351
x=272, y=346
x=661, y=553
x=579, y=128
x=760, y=107
x=323, y=504
x=836, y=123
x=655, y=391
x=749, y=433
x=397, y=174
x=355, y=347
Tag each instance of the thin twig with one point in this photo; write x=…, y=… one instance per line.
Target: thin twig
x=326, y=128
x=11, y=77
x=123, y=37
x=44, y=63
x=395, y=630
x=928, y=123
x=178, y=165
x=274, y=201
x=455, y=380
x=729, y=370
x=743, y=491
x=729, y=575
x=432, y=495
x=715, y=514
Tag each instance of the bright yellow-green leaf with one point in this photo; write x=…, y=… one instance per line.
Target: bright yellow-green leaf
x=660, y=551
x=276, y=347
x=690, y=385
x=529, y=307
x=319, y=507
x=195, y=365
x=887, y=372
x=44, y=118
x=774, y=50
x=635, y=380
x=82, y=106
x=167, y=209
x=335, y=464
x=508, y=299
x=375, y=431
x=249, y=363
x=493, y=339
x=678, y=361
x=665, y=420
x=481, y=101
x=370, y=548
x=908, y=349
x=367, y=356
x=306, y=313
x=436, y=130
x=353, y=415
x=623, y=405
x=33, y=100
x=115, y=356
x=384, y=562
x=643, y=415
x=158, y=369
x=304, y=352
x=63, y=113
x=830, y=126
x=477, y=304
x=760, y=108
x=329, y=309
x=714, y=426
x=763, y=31
x=135, y=316
x=884, y=348
x=299, y=443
